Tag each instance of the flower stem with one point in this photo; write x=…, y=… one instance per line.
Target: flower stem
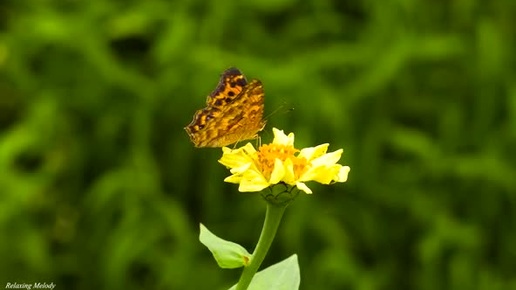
x=273, y=217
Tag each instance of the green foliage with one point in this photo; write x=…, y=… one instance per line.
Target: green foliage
x=280, y=276
x=283, y=275
x=100, y=187
x=228, y=255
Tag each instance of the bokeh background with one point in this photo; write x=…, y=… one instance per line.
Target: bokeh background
x=100, y=187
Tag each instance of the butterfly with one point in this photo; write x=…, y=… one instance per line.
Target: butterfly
x=233, y=112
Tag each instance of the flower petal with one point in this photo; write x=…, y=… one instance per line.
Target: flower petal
x=237, y=157
x=303, y=187
x=281, y=138
x=331, y=173
x=343, y=174
x=311, y=153
x=322, y=174
x=328, y=158
x=249, y=148
x=289, y=176
x=235, y=178
x=278, y=172
x=241, y=169
x=252, y=181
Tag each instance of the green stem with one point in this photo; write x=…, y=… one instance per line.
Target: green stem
x=270, y=226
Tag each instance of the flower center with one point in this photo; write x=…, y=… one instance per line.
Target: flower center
x=267, y=154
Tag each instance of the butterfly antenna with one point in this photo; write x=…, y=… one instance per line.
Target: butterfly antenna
x=280, y=107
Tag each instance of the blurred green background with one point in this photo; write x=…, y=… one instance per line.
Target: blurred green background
x=100, y=187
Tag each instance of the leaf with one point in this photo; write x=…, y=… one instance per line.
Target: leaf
x=228, y=255
x=281, y=276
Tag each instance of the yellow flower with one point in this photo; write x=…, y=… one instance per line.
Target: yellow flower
x=279, y=162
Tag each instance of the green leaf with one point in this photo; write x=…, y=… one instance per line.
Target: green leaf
x=228, y=255
x=281, y=276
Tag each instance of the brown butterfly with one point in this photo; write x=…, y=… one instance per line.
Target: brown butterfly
x=233, y=113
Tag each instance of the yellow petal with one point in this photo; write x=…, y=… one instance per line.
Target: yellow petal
x=281, y=138
x=343, y=174
x=314, y=173
x=249, y=148
x=252, y=181
x=328, y=158
x=303, y=187
x=249, y=177
x=237, y=157
x=241, y=169
x=289, y=176
x=329, y=174
x=251, y=186
x=233, y=178
x=322, y=174
x=278, y=172
x=313, y=152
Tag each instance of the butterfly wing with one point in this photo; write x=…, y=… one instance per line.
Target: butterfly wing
x=234, y=112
